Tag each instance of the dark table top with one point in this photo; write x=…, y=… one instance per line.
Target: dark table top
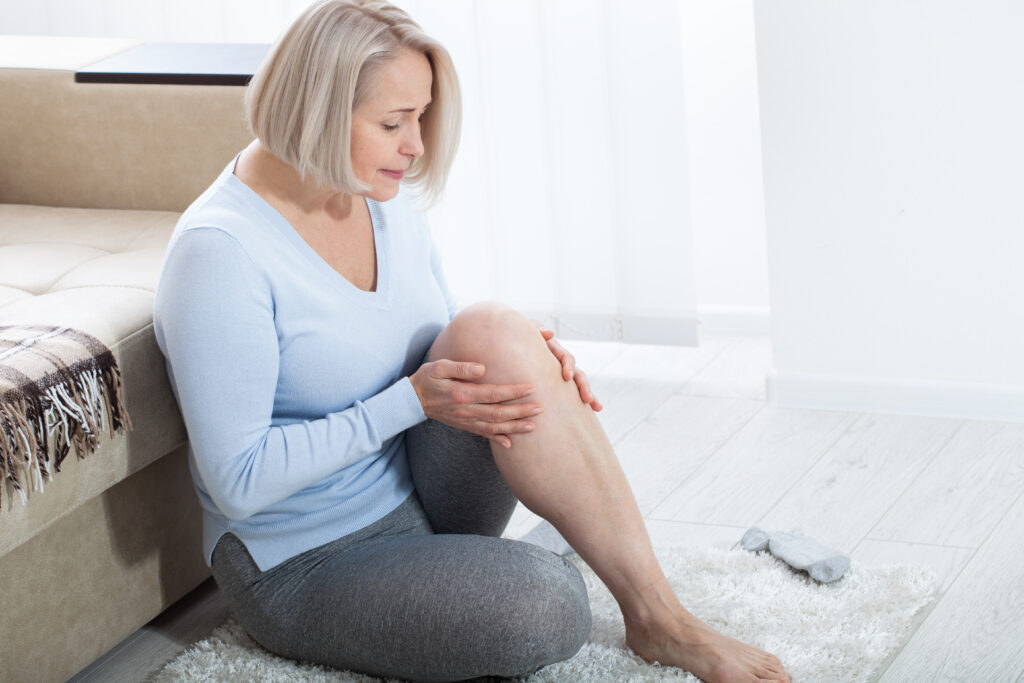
x=179, y=63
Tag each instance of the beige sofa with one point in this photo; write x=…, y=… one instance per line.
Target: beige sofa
x=92, y=180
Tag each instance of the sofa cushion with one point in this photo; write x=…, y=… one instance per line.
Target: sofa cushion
x=95, y=270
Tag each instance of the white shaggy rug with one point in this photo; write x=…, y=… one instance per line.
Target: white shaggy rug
x=844, y=631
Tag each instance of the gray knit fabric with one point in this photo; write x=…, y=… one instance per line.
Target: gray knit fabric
x=428, y=592
x=800, y=552
x=547, y=536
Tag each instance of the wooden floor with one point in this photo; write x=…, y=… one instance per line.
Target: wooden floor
x=708, y=459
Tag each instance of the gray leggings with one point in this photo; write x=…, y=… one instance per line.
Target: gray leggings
x=426, y=593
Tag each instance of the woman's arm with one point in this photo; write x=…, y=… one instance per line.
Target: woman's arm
x=215, y=324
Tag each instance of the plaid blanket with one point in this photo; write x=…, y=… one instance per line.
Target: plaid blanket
x=58, y=387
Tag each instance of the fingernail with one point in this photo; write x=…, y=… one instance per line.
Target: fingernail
x=529, y=427
x=537, y=411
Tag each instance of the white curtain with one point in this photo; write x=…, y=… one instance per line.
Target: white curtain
x=570, y=197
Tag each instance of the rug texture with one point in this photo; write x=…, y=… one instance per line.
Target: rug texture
x=843, y=631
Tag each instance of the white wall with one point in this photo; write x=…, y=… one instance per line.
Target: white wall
x=894, y=194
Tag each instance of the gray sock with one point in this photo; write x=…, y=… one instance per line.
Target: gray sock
x=546, y=536
x=800, y=552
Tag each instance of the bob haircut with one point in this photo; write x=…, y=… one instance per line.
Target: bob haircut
x=300, y=101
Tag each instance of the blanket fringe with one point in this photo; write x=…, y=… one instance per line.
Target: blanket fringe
x=37, y=431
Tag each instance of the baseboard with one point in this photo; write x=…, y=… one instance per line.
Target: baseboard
x=735, y=321
x=958, y=400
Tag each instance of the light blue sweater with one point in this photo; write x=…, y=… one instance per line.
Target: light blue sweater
x=293, y=383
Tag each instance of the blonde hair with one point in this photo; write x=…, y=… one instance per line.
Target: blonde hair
x=300, y=101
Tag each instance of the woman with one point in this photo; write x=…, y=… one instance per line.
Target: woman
x=356, y=445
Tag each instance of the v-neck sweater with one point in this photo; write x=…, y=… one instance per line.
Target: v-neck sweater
x=294, y=383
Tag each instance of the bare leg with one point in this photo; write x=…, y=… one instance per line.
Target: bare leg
x=567, y=472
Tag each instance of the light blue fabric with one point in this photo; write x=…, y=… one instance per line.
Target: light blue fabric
x=293, y=383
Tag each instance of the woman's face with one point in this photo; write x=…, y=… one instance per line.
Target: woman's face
x=386, y=125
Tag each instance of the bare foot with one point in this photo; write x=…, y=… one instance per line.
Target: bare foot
x=696, y=647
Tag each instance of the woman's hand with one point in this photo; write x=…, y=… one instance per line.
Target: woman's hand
x=569, y=369
x=448, y=396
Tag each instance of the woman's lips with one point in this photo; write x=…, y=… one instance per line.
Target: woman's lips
x=397, y=175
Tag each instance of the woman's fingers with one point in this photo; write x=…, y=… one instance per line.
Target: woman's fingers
x=448, y=394
x=544, y=332
x=586, y=393
x=495, y=419
x=450, y=369
x=498, y=393
x=584, y=386
x=497, y=429
x=502, y=413
x=566, y=359
x=456, y=399
x=478, y=393
x=568, y=366
x=571, y=372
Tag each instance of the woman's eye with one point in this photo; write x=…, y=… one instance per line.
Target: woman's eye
x=390, y=127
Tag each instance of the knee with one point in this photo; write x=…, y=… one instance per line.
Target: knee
x=572, y=614
x=555, y=616
x=493, y=325
x=489, y=331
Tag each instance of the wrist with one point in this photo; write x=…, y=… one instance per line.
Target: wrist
x=414, y=380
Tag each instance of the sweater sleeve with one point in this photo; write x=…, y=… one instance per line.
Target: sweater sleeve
x=214, y=318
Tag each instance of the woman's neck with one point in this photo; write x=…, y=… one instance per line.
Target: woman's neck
x=269, y=175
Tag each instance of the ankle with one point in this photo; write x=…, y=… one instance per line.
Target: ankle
x=680, y=627
x=669, y=641
x=656, y=610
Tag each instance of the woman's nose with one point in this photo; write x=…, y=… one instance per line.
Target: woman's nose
x=413, y=143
